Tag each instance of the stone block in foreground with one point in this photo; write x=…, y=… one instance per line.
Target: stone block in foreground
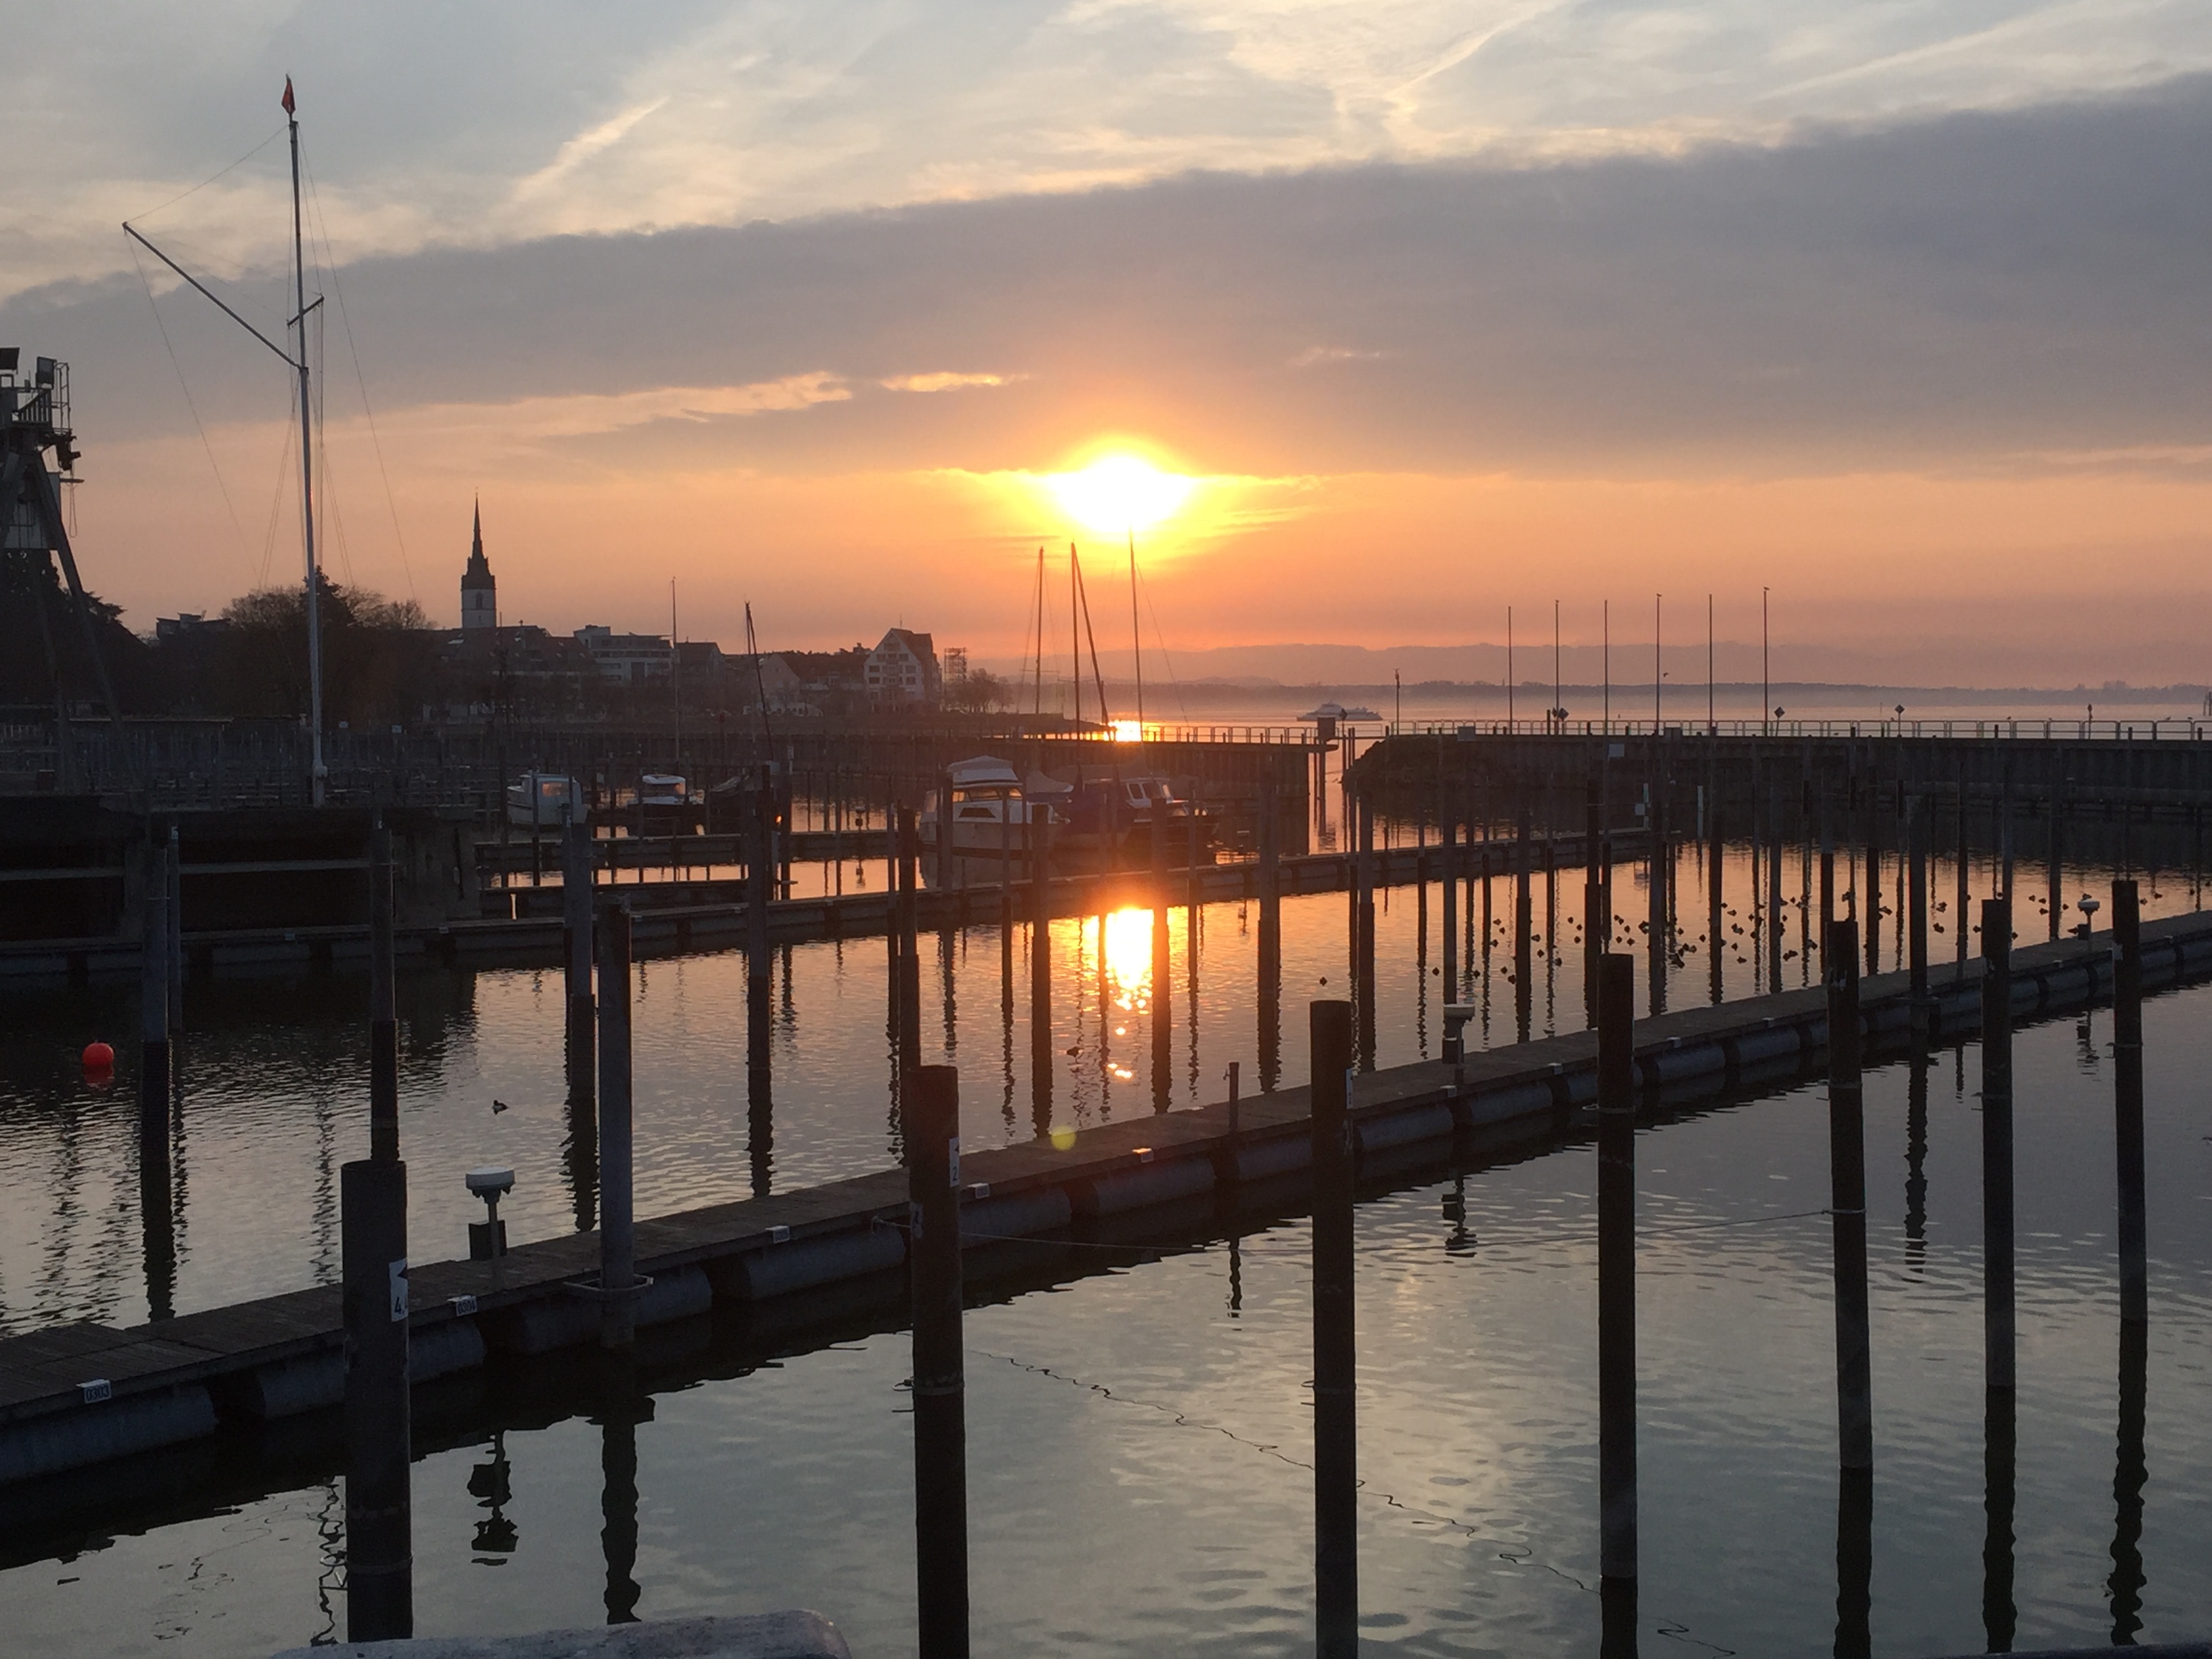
x=796, y=1635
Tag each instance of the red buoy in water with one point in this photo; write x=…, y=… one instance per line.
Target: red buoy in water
x=99, y=1057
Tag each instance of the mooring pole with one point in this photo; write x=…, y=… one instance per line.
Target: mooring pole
x=1364, y=968
x=909, y=952
x=1661, y=874
x=1827, y=869
x=1163, y=996
x=1270, y=940
x=1523, y=922
x=1616, y=1300
x=618, y=1214
x=383, y=1017
x=1448, y=830
x=1336, y=1462
x=1716, y=917
x=153, y=1006
x=1847, y=1200
x=173, y=968
x=2128, y=1100
x=929, y=1115
x=1916, y=910
x=1997, y=1144
x=577, y=882
x=759, y=820
x=1773, y=890
x=1961, y=908
x=373, y=1250
x=1040, y=846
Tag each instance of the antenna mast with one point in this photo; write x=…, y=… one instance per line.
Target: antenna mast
x=318, y=773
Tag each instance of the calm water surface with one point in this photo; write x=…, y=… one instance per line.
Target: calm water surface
x=1140, y=1439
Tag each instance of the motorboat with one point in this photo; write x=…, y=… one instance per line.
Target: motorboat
x=1120, y=821
x=991, y=820
x=545, y=800
x=666, y=805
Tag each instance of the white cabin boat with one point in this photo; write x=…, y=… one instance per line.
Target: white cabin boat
x=545, y=800
x=990, y=813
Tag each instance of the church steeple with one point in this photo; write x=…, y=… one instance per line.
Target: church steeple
x=479, y=591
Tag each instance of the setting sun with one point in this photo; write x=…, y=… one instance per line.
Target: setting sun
x=1119, y=493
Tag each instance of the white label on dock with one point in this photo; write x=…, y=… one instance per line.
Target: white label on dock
x=93, y=1392
x=463, y=1305
x=981, y=1190
x=953, y=1148
x=396, y=1273
x=779, y=1235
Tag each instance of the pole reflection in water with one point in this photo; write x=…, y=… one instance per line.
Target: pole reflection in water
x=2131, y=1471
x=622, y=1406
x=1999, y=1445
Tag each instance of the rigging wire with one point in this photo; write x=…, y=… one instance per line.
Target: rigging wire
x=360, y=380
x=1169, y=661
x=198, y=425
x=204, y=183
x=284, y=470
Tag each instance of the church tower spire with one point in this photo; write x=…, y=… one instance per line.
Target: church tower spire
x=479, y=591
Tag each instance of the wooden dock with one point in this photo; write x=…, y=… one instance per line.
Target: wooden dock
x=81, y=1394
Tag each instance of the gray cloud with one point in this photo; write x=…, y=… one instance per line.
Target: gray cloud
x=1947, y=292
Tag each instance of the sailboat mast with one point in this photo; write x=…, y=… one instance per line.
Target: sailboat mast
x=1136, y=639
x=1037, y=702
x=1075, y=629
x=318, y=773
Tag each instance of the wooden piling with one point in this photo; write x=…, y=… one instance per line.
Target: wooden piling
x=1916, y=908
x=1448, y=868
x=1847, y=1201
x=1039, y=840
x=154, y=1007
x=379, y=1429
x=383, y=1020
x=1162, y=1011
x=929, y=1118
x=1270, y=941
x=1363, y=973
x=617, y=1211
x=908, y=842
x=1997, y=1242
x=1523, y=922
x=576, y=908
x=2128, y=1100
x=1336, y=1477
x=1716, y=916
x=1616, y=1273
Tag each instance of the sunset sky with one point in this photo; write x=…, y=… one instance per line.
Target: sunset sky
x=1903, y=310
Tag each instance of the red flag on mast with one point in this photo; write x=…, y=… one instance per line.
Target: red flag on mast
x=288, y=95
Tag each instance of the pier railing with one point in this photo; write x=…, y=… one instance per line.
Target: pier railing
x=2170, y=728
